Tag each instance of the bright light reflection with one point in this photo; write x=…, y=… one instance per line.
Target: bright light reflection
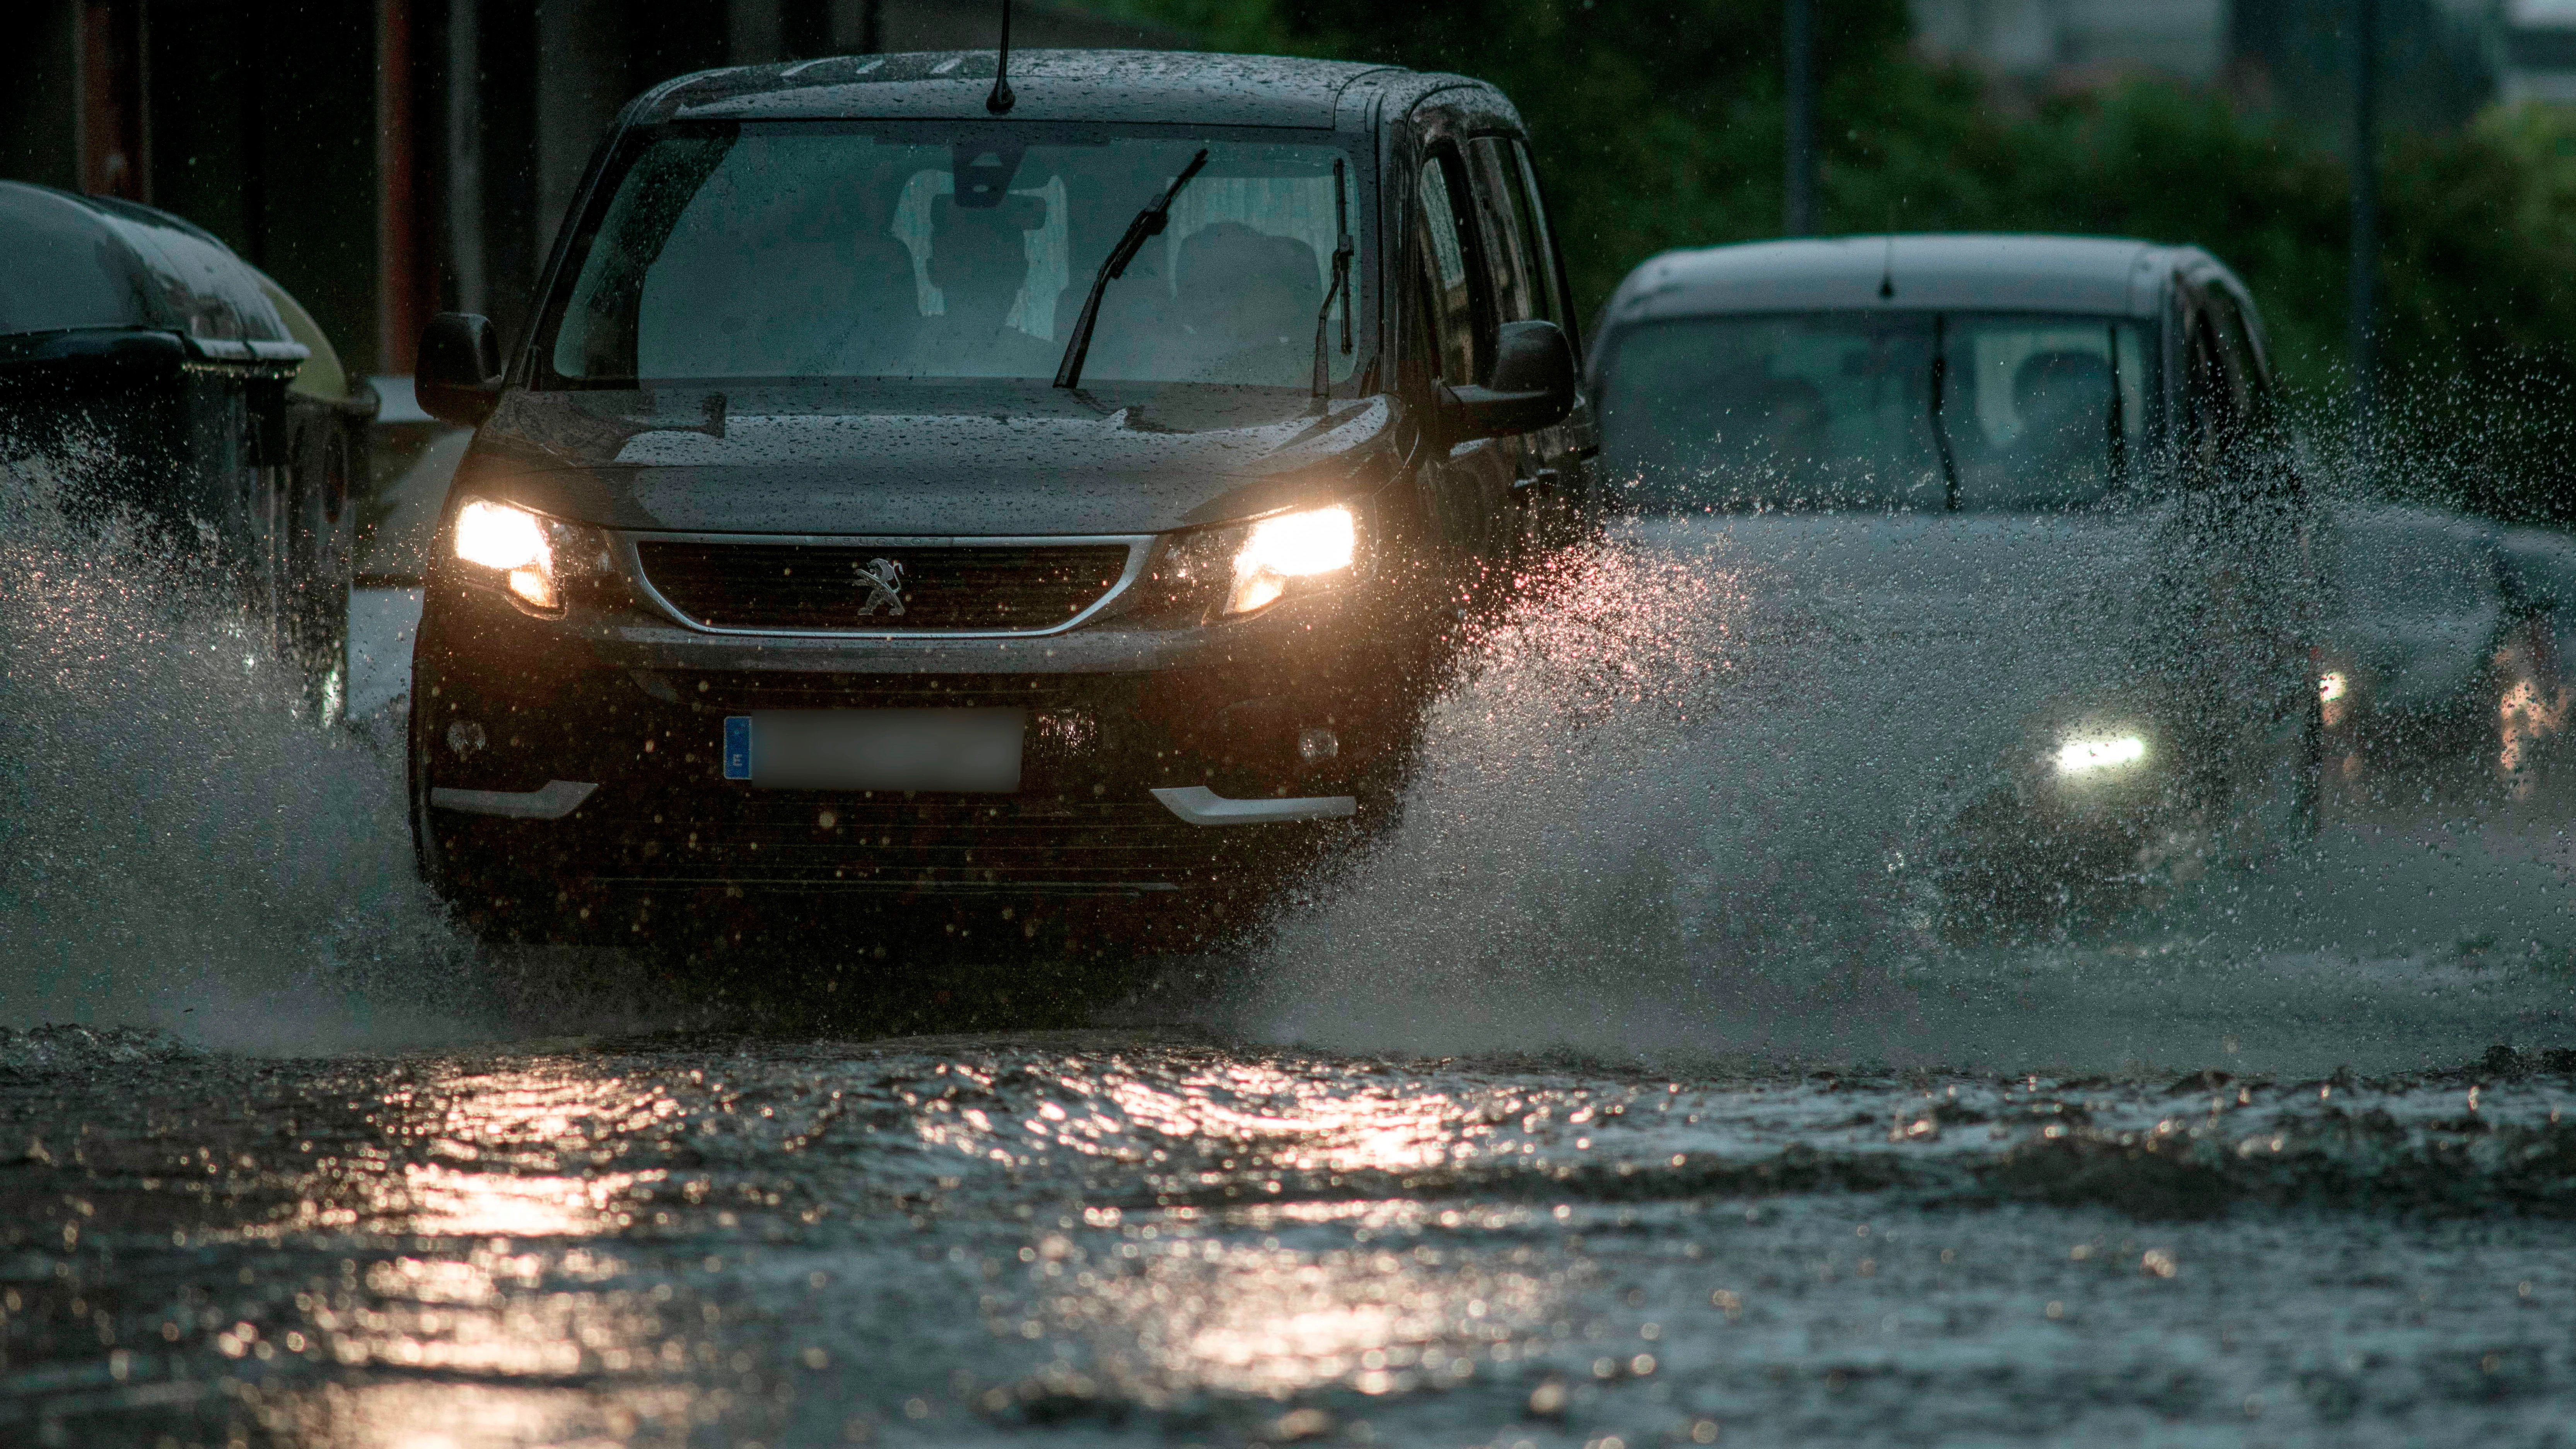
x=507, y=1153
x=1265, y=1320
x=1292, y=1122
x=487, y=1204
x=416, y=1415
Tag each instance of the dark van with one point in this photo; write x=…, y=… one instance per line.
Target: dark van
x=924, y=485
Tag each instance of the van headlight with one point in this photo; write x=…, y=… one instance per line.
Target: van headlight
x=1248, y=566
x=1288, y=547
x=531, y=557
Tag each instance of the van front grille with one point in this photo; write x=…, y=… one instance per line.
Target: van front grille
x=864, y=588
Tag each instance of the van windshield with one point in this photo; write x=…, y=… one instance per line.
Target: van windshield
x=1848, y=410
x=955, y=250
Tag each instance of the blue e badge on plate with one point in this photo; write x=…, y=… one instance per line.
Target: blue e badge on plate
x=737, y=749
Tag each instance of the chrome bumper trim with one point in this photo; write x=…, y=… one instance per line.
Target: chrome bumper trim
x=1200, y=805
x=558, y=799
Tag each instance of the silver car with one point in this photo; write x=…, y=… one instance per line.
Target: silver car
x=2033, y=496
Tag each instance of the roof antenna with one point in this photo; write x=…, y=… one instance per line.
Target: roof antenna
x=1001, y=100
x=1887, y=272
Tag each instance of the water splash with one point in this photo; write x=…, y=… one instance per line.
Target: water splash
x=1672, y=806
x=184, y=852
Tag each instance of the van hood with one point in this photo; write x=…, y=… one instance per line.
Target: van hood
x=913, y=462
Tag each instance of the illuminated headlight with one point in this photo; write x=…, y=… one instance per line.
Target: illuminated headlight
x=1245, y=566
x=2093, y=754
x=1290, y=546
x=533, y=556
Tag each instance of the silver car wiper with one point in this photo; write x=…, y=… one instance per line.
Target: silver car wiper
x=1341, y=288
x=1148, y=223
x=2117, y=423
x=1940, y=425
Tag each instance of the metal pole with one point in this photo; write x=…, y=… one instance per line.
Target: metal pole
x=2364, y=284
x=1798, y=68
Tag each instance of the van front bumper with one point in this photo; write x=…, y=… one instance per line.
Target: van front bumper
x=557, y=757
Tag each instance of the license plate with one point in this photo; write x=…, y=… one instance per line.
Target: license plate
x=969, y=750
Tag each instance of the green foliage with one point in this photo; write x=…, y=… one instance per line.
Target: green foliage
x=1657, y=125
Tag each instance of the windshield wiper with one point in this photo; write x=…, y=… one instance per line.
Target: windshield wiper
x=1341, y=288
x=1148, y=223
x=2118, y=422
x=1940, y=425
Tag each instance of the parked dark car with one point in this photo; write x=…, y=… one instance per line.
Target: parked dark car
x=2039, y=485
x=903, y=491
x=160, y=377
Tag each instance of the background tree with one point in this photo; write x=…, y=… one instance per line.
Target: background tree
x=1657, y=124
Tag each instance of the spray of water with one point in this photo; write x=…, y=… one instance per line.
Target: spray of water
x=183, y=851
x=1675, y=803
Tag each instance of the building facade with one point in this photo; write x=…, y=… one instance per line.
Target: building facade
x=386, y=159
x=2440, y=61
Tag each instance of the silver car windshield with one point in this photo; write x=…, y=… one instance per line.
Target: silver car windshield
x=1889, y=410
x=958, y=251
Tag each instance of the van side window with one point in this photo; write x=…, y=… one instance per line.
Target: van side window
x=2234, y=339
x=2212, y=396
x=1544, y=236
x=1450, y=287
x=1523, y=288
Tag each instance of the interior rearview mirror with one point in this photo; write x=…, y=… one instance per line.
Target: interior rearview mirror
x=458, y=376
x=1532, y=385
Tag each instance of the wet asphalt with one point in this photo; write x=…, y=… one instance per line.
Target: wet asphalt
x=1153, y=1235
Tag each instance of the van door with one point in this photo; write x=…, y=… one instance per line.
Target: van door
x=1452, y=279
x=2212, y=401
x=1550, y=481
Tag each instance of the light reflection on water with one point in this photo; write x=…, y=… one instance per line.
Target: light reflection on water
x=1133, y=1238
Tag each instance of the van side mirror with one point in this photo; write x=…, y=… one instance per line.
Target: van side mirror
x=458, y=376
x=1532, y=387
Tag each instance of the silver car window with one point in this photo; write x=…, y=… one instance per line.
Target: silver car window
x=1838, y=410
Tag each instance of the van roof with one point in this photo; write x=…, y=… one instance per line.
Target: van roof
x=1178, y=87
x=2115, y=276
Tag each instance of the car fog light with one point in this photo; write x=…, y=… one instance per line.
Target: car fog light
x=2099, y=753
x=1291, y=546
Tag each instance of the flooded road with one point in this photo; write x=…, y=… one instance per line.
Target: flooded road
x=1138, y=1237
x=1623, y=1093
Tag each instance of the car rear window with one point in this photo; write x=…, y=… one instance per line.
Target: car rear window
x=1838, y=410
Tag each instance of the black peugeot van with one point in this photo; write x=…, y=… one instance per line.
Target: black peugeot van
x=927, y=481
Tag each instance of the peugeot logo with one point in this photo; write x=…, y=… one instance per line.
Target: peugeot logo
x=883, y=579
